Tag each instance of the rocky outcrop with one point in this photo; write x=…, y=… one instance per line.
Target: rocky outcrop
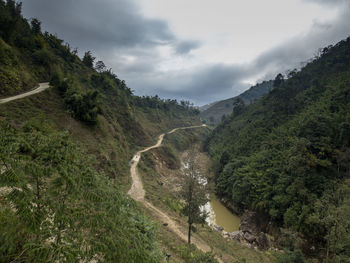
x=251, y=232
x=249, y=237
x=236, y=235
x=218, y=228
x=253, y=223
x=263, y=242
x=252, y=228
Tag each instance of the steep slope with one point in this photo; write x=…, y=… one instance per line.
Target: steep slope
x=64, y=152
x=214, y=113
x=287, y=156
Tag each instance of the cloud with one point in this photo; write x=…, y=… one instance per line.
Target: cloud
x=201, y=85
x=100, y=24
x=292, y=52
x=140, y=49
x=185, y=47
x=328, y=2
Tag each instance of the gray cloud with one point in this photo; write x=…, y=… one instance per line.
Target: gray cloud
x=201, y=85
x=184, y=47
x=301, y=48
x=328, y=2
x=118, y=33
x=100, y=24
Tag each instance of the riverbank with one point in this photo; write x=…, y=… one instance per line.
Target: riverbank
x=161, y=176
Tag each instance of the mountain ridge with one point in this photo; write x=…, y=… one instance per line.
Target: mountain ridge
x=213, y=113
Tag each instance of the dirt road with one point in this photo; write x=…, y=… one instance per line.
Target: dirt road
x=137, y=192
x=42, y=86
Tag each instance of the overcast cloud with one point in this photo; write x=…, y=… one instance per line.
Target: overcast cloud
x=149, y=53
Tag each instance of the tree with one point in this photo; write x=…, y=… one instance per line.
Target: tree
x=332, y=212
x=100, y=66
x=238, y=106
x=36, y=26
x=193, y=193
x=88, y=59
x=279, y=80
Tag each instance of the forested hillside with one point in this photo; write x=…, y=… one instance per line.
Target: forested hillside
x=64, y=152
x=287, y=156
x=214, y=113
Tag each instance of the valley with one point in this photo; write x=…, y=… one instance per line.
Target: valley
x=162, y=176
x=92, y=172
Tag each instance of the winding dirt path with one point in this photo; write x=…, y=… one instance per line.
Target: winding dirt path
x=42, y=86
x=137, y=192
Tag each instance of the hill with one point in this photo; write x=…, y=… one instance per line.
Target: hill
x=64, y=152
x=287, y=157
x=214, y=113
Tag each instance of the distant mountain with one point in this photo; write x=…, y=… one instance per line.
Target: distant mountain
x=207, y=106
x=212, y=113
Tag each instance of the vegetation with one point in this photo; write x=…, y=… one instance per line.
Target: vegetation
x=118, y=122
x=194, y=194
x=63, y=201
x=55, y=207
x=287, y=155
x=215, y=113
x=163, y=187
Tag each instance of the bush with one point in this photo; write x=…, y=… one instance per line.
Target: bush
x=85, y=106
x=291, y=257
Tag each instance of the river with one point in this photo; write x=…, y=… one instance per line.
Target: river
x=218, y=214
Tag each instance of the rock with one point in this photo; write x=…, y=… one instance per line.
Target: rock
x=236, y=235
x=253, y=223
x=250, y=245
x=263, y=242
x=218, y=228
x=249, y=237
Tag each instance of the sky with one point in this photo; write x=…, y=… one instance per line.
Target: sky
x=197, y=50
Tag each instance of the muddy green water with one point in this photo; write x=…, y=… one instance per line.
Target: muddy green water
x=221, y=216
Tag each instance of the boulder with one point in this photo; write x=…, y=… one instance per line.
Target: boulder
x=218, y=228
x=236, y=235
x=263, y=242
x=249, y=237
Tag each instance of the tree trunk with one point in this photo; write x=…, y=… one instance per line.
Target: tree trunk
x=189, y=233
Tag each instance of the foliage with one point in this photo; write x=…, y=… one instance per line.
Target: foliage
x=83, y=104
x=55, y=207
x=100, y=66
x=88, y=59
x=194, y=194
x=282, y=154
x=290, y=257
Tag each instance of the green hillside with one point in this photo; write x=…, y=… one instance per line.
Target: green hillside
x=64, y=152
x=287, y=156
x=214, y=113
